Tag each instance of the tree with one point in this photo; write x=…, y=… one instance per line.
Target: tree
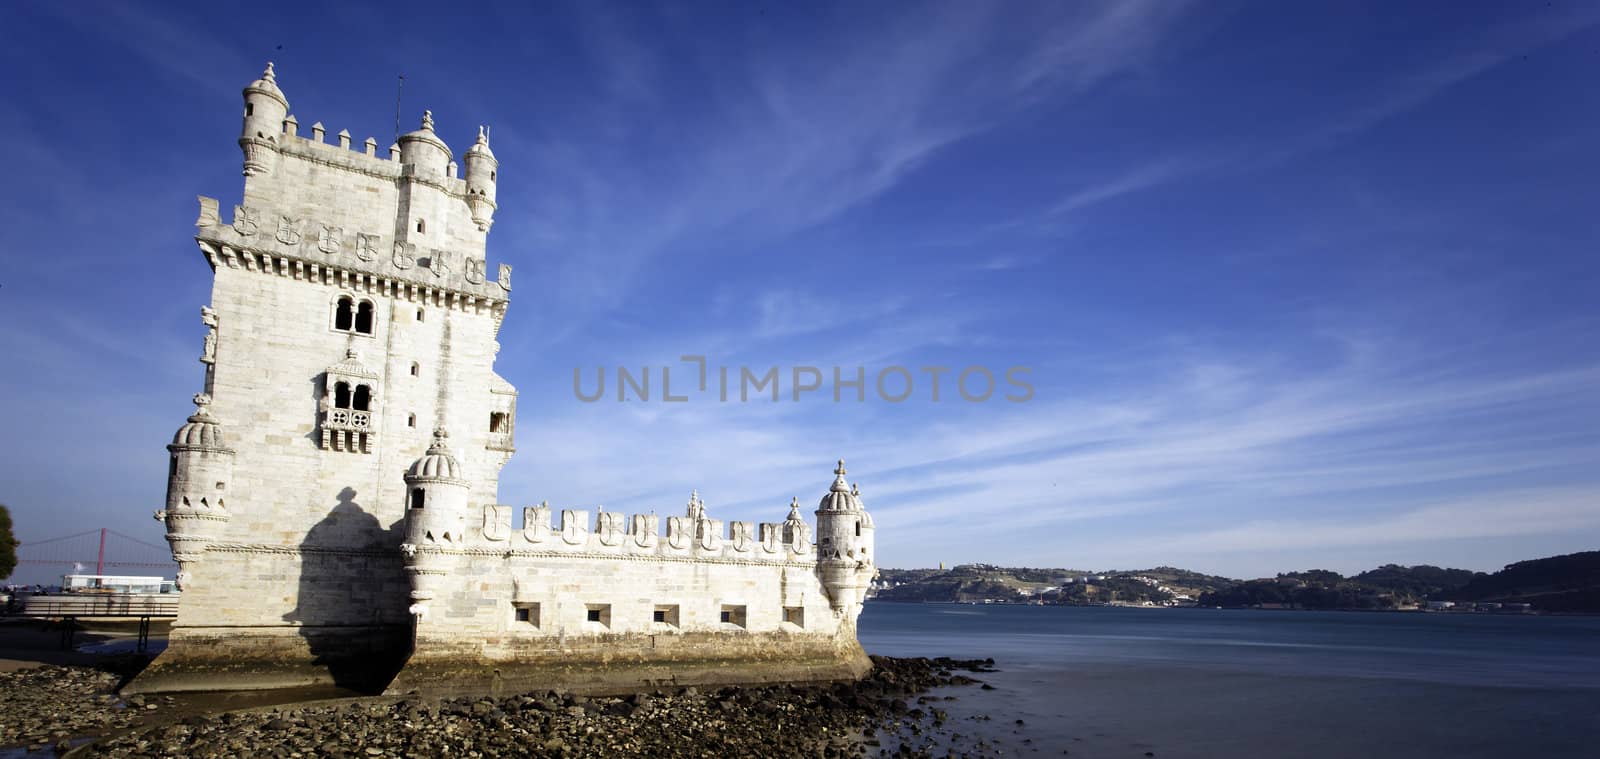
x=8, y=544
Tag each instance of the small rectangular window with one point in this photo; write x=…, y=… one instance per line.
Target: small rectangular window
x=598, y=614
x=795, y=615
x=665, y=615
x=416, y=498
x=527, y=613
x=733, y=615
x=660, y=616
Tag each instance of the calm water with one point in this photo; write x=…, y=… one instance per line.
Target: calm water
x=1224, y=683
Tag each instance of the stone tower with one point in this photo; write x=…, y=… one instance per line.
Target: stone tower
x=351, y=315
x=329, y=530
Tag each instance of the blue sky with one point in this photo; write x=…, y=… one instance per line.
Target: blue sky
x=1300, y=284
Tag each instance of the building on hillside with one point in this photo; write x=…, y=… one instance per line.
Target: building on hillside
x=333, y=501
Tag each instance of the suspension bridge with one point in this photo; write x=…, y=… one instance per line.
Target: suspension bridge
x=105, y=550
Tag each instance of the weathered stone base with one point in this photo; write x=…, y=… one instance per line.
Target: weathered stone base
x=616, y=664
x=367, y=659
x=362, y=658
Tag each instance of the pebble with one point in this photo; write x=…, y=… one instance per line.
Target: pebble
x=840, y=719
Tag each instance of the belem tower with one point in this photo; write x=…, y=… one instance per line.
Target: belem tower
x=333, y=502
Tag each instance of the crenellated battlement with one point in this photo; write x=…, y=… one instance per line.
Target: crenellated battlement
x=363, y=157
x=611, y=534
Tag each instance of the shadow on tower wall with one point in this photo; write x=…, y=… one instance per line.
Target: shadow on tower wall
x=352, y=606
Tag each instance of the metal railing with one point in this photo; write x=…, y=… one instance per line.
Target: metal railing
x=98, y=605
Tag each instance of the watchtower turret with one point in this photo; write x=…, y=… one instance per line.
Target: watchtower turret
x=844, y=546
x=482, y=168
x=265, y=108
x=198, y=475
x=436, y=517
x=424, y=151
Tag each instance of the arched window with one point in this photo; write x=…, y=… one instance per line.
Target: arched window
x=364, y=317
x=419, y=314
x=416, y=369
x=491, y=176
x=416, y=498
x=411, y=420
x=422, y=226
x=344, y=313
x=341, y=395
x=363, y=402
x=858, y=528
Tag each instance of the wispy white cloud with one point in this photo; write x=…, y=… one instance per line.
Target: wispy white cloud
x=1395, y=96
x=792, y=139
x=1234, y=433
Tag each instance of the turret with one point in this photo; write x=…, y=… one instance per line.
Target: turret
x=424, y=151
x=265, y=108
x=199, y=473
x=482, y=167
x=844, y=546
x=436, y=517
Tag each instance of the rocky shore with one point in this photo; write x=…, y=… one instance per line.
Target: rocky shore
x=48, y=706
x=889, y=713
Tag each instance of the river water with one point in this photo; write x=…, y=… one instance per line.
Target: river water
x=1120, y=682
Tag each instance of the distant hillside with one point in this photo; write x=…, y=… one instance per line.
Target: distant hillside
x=1557, y=583
x=984, y=583
x=1391, y=586
x=1560, y=583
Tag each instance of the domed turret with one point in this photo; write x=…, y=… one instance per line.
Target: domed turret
x=200, y=469
x=481, y=176
x=844, y=545
x=436, y=517
x=264, y=110
x=436, y=465
x=424, y=151
x=436, y=489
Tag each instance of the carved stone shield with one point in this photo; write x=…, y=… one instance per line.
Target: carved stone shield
x=437, y=264
x=405, y=255
x=496, y=522
x=330, y=239
x=245, y=221
x=366, y=246
x=288, y=231
x=472, y=269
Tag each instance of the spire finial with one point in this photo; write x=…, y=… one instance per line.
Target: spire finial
x=202, y=400
x=269, y=75
x=427, y=120
x=855, y=489
x=839, y=483
x=483, y=135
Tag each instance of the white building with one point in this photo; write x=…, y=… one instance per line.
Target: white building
x=333, y=502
